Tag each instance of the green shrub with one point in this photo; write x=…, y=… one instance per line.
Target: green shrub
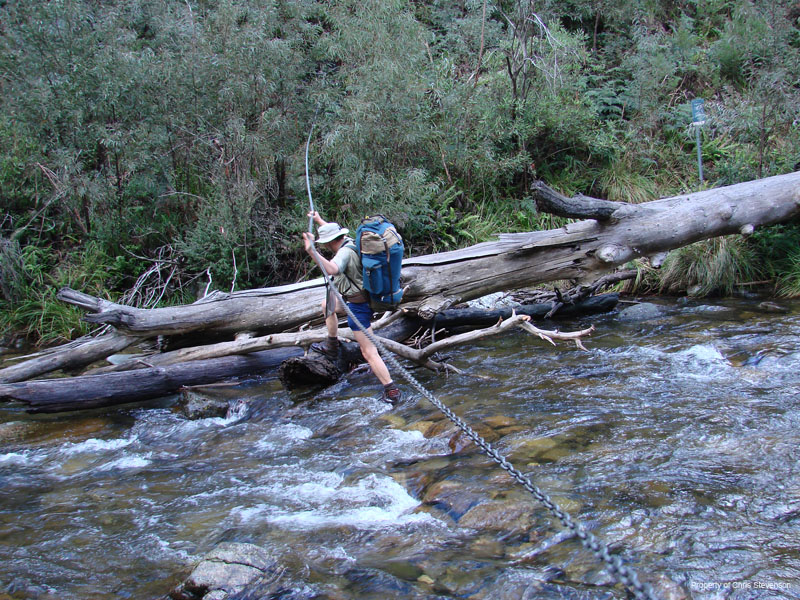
x=30, y=307
x=778, y=247
x=709, y=267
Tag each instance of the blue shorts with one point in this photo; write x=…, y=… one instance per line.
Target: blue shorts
x=363, y=313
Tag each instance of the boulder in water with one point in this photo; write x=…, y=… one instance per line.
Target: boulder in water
x=641, y=312
x=513, y=518
x=772, y=307
x=452, y=497
x=225, y=571
x=196, y=406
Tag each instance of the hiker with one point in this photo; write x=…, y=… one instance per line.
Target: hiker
x=345, y=268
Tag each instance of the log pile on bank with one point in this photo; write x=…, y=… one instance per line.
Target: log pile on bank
x=228, y=335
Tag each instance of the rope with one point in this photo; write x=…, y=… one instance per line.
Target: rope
x=621, y=572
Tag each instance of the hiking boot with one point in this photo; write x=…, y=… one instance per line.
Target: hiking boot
x=328, y=348
x=392, y=394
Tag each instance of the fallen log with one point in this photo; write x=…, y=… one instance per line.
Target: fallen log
x=69, y=356
x=265, y=310
x=142, y=381
x=578, y=251
x=111, y=389
x=298, y=370
x=476, y=317
x=616, y=233
x=148, y=381
x=400, y=330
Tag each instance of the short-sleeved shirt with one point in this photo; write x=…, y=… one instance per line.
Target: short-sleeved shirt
x=349, y=280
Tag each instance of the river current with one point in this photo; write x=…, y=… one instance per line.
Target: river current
x=674, y=438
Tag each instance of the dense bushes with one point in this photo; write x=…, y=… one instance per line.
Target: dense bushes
x=152, y=149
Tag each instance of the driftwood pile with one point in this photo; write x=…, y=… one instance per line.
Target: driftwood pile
x=245, y=333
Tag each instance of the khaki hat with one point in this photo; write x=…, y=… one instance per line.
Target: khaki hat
x=329, y=232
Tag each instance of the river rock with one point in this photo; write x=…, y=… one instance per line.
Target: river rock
x=511, y=517
x=503, y=432
x=530, y=584
x=226, y=570
x=424, y=427
x=414, y=481
x=772, y=307
x=20, y=587
x=782, y=512
x=500, y=421
x=443, y=427
x=641, y=312
x=668, y=589
x=395, y=421
x=451, y=496
x=487, y=546
x=460, y=441
x=530, y=450
x=13, y=431
x=195, y=406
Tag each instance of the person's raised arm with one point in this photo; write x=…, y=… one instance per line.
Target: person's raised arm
x=330, y=267
x=317, y=219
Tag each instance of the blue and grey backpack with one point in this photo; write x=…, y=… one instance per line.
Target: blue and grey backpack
x=381, y=250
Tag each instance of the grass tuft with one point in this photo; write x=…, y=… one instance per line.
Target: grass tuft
x=709, y=267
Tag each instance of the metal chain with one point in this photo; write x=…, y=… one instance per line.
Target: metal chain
x=621, y=572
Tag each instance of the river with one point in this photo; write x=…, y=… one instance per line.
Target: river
x=674, y=438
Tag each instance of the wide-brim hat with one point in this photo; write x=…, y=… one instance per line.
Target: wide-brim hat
x=329, y=232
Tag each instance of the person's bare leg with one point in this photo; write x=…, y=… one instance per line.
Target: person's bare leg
x=373, y=357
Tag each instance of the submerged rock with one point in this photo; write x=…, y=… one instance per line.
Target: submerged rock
x=512, y=518
x=452, y=497
x=531, y=450
x=500, y=421
x=13, y=431
x=772, y=307
x=668, y=589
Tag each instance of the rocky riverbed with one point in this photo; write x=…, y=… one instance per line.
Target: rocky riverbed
x=674, y=439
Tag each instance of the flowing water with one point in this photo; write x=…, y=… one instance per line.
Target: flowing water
x=674, y=439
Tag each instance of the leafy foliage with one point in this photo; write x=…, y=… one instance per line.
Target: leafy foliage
x=161, y=144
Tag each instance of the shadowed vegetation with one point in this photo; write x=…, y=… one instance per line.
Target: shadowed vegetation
x=153, y=150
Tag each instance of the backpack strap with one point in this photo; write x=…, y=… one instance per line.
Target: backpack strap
x=352, y=245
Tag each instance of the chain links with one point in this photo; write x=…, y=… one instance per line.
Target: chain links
x=621, y=572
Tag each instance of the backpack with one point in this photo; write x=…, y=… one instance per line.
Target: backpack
x=380, y=248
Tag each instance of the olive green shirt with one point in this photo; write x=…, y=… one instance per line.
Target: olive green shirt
x=348, y=280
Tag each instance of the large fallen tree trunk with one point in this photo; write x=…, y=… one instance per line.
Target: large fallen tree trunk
x=110, y=389
x=616, y=233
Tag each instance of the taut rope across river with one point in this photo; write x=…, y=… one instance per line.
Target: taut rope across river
x=620, y=571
